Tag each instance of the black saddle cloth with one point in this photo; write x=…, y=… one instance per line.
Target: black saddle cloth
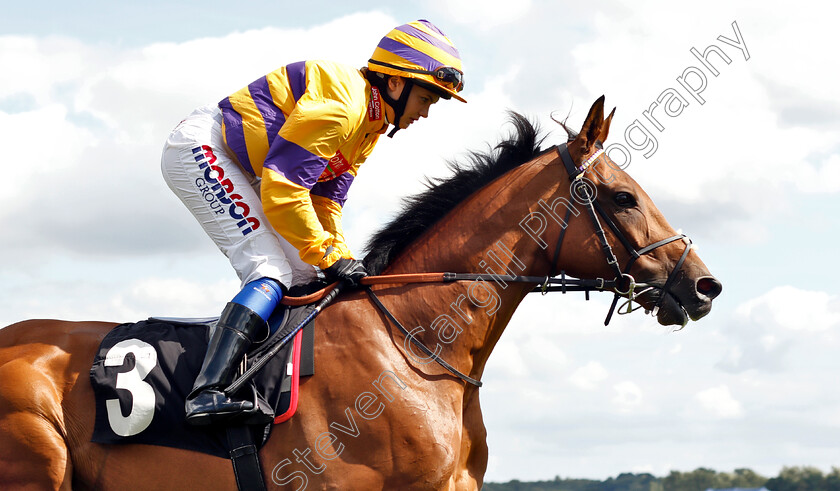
x=144, y=371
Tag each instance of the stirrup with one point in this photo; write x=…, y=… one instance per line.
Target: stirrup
x=243, y=416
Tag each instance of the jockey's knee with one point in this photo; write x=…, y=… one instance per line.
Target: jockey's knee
x=262, y=296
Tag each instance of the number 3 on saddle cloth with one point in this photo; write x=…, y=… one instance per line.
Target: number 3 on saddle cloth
x=144, y=371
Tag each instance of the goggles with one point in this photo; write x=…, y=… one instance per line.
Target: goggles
x=447, y=75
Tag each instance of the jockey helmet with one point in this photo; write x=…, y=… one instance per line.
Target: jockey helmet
x=421, y=53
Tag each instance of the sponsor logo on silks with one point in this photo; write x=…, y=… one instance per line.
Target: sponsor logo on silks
x=335, y=166
x=375, y=105
x=218, y=192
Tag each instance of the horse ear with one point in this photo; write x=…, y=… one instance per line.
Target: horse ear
x=592, y=125
x=605, y=130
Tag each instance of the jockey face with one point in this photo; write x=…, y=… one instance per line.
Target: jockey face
x=417, y=106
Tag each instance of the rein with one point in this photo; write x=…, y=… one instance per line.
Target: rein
x=417, y=343
x=547, y=284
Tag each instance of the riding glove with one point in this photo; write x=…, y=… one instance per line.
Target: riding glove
x=349, y=270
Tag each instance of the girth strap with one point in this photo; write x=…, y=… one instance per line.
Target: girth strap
x=417, y=343
x=245, y=459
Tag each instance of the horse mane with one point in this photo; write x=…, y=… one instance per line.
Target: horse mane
x=419, y=212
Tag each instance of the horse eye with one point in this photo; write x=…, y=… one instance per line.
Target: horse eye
x=624, y=200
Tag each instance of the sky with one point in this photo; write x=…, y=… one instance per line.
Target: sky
x=748, y=167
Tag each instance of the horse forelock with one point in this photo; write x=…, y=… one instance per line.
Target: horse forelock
x=419, y=212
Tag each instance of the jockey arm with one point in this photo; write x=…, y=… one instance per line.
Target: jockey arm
x=328, y=199
x=303, y=210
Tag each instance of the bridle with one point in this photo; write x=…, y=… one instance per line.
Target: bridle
x=581, y=190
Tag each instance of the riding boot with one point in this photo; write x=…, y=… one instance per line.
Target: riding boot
x=207, y=403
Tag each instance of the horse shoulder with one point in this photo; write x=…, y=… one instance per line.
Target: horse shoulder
x=404, y=426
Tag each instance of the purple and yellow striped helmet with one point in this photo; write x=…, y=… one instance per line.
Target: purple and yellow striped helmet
x=422, y=52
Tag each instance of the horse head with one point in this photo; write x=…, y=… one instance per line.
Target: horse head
x=658, y=265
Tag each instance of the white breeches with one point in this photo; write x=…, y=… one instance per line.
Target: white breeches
x=226, y=201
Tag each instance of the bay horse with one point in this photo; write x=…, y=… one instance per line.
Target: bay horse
x=378, y=414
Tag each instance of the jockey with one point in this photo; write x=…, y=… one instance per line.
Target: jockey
x=266, y=173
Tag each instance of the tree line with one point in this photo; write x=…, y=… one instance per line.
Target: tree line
x=789, y=479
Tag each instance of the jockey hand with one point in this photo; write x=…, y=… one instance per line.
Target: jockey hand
x=349, y=270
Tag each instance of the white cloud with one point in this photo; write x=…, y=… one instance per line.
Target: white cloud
x=40, y=66
x=793, y=309
x=589, y=376
x=820, y=178
x=508, y=361
x=31, y=153
x=484, y=14
x=628, y=396
x=718, y=402
x=143, y=93
x=172, y=297
x=769, y=332
x=734, y=357
x=545, y=354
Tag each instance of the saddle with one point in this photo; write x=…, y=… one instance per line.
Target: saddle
x=144, y=371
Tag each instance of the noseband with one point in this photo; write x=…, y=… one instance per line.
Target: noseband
x=581, y=190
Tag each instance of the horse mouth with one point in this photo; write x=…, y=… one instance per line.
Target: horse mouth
x=681, y=302
x=671, y=310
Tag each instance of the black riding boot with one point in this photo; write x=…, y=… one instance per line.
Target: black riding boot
x=207, y=403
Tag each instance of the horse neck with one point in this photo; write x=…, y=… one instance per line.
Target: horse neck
x=483, y=235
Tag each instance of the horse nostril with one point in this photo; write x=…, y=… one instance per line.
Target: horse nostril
x=708, y=286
